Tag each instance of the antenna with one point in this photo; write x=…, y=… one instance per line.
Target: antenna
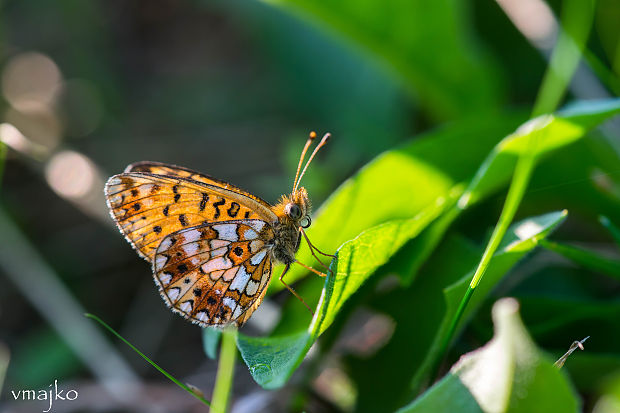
x=303, y=155
x=319, y=146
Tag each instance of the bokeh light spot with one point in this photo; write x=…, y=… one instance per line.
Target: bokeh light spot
x=30, y=80
x=70, y=174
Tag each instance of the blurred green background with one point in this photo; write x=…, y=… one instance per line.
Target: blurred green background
x=232, y=88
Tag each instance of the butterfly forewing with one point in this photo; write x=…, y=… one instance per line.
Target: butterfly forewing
x=215, y=273
x=158, y=168
x=147, y=207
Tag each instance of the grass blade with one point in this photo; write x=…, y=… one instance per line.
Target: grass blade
x=586, y=258
x=151, y=362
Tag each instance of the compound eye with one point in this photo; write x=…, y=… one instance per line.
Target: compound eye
x=306, y=222
x=293, y=211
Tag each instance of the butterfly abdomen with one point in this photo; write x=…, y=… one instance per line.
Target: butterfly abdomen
x=286, y=242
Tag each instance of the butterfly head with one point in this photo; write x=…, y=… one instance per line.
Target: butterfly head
x=294, y=209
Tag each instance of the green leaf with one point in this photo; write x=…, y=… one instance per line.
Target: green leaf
x=520, y=239
x=613, y=229
x=397, y=34
x=548, y=133
x=360, y=257
x=272, y=360
x=508, y=374
x=210, y=341
x=587, y=259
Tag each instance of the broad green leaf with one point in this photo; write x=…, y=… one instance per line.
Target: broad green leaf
x=449, y=395
x=508, y=374
x=360, y=257
x=611, y=227
x=272, y=360
x=210, y=341
x=520, y=239
x=397, y=34
x=587, y=259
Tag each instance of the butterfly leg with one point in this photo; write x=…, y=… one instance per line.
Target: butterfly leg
x=313, y=248
x=317, y=272
x=291, y=288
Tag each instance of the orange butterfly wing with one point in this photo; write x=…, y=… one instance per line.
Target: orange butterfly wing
x=159, y=168
x=216, y=273
x=148, y=206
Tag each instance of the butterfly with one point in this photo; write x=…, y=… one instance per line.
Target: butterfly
x=211, y=245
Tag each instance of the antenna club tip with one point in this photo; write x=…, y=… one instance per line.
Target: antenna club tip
x=312, y=135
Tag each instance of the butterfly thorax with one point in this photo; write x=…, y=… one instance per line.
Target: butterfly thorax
x=291, y=210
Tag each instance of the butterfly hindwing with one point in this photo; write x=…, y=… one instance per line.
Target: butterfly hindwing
x=216, y=273
x=147, y=207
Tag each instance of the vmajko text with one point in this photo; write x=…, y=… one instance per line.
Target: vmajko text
x=50, y=395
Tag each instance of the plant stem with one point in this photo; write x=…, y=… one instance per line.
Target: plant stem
x=225, y=371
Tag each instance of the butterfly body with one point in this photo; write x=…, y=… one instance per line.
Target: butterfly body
x=290, y=211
